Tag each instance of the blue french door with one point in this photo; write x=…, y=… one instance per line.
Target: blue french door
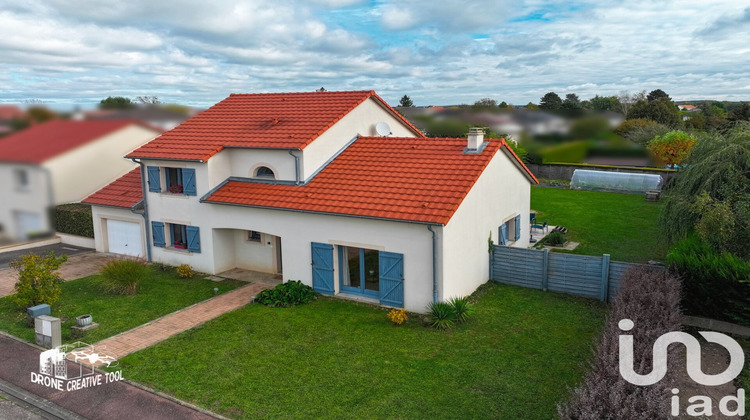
x=359, y=271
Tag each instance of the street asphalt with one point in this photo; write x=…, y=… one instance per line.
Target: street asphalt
x=58, y=249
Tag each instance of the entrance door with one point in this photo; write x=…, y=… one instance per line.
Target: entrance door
x=360, y=271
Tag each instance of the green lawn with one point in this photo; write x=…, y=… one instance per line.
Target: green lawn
x=625, y=226
x=516, y=358
x=160, y=294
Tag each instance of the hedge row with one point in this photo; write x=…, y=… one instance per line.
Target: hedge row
x=649, y=297
x=74, y=219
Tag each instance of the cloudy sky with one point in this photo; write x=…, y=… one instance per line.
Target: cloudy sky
x=438, y=52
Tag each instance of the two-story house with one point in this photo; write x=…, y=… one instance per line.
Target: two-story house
x=61, y=162
x=334, y=189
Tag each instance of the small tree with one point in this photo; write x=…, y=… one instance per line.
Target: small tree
x=672, y=148
x=405, y=102
x=116, y=102
x=38, y=279
x=550, y=102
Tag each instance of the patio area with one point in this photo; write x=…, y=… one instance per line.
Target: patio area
x=248, y=276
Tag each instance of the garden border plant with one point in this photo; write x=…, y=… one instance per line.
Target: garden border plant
x=291, y=293
x=650, y=297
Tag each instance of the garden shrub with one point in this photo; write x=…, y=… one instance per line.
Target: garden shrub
x=38, y=279
x=442, y=315
x=715, y=285
x=650, y=297
x=74, y=219
x=555, y=238
x=461, y=308
x=398, y=316
x=123, y=277
x=286, y=294
x=185, y=271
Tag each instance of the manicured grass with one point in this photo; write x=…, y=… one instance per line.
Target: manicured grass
x=160, y=294
x=516, y=358
x=625, y=226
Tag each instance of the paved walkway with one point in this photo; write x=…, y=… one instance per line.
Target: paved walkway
x=162, y=328
x=77, y=266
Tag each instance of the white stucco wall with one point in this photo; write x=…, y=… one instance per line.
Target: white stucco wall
x=501, y=193
x=100, y=214
x=222, y=230
x=86, y=169
x=244, y=162
x=360, y=121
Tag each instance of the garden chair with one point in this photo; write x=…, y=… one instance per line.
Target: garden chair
x=543, y=227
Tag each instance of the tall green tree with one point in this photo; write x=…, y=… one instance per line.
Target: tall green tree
x=405, y=102
x=116, y=102
x=662, y=111
x=740, y=113
x=605, y=103
x=712, y=194
x=657, y=94
x=550, y=102
x=572, y=102
x=485, y=103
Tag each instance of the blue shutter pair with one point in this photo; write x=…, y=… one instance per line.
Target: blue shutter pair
x=193, y=236
x=503, y=234
x=188, y=180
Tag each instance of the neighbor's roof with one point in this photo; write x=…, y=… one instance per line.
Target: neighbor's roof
x=409, y=179
x=42, y=142
x=10, y=112
x=261, y=120
x=125, y=192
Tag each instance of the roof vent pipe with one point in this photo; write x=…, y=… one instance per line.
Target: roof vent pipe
x=475, y=139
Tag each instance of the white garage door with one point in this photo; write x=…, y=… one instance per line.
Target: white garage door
x=26, y=223
x=124, y=238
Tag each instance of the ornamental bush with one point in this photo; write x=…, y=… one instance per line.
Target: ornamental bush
x=287, y=294
x=185, y=271
x=38, y=279
x=650, y=297
x=123, y=277
x=398, y=316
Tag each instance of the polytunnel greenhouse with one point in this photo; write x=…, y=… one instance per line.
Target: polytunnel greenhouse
x=615, y=181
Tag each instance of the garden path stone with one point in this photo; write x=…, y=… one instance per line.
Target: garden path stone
x=162, y=328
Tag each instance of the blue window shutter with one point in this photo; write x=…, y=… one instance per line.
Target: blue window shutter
x=502, y=236
x=157, y=231
x=518, y=227
x=391, y=269
x=193, y=238
x=322, y=268
x=188, y=181
x=154, y=183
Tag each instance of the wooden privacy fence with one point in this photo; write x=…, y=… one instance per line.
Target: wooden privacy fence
x=580, y=275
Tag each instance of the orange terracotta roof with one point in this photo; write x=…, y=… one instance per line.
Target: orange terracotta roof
x=125, y=192
x=264, y=120
x=410, y=179
x=42, y=142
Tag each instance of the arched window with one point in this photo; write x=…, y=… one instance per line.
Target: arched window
x=265, y=172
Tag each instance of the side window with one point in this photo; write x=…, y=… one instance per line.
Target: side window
x=173, y=178
x=253, y=236
x=22, y=178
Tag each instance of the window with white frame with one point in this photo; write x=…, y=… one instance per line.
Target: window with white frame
x=265, y=172
x=254, y=236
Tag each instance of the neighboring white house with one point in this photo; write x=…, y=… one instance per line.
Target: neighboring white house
x=334, y=189
x=61, y=162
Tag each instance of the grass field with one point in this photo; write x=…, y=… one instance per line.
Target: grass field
x=160, y=294
x=333, y=358
x=622, y=225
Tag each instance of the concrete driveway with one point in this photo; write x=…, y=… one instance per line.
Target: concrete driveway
x=77, y=266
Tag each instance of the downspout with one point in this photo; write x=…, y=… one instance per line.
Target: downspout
x=296, y=166
x=434, y=265
x=145, y=208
